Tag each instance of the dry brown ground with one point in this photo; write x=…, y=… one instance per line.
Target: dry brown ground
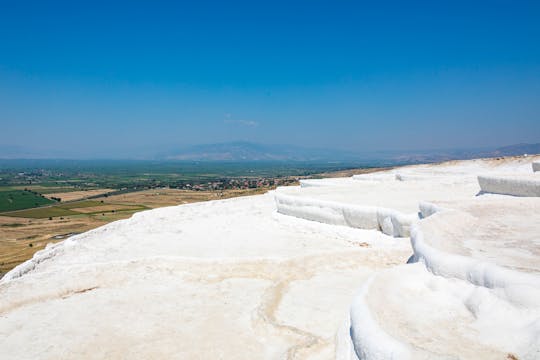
x=77, y=195
x=105, y=208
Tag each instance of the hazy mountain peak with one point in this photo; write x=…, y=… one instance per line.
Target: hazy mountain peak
x=244, y=150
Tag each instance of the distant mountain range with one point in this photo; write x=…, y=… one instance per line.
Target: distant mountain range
x=518, y=149
x=248, y=151
x=240, y=151
x=464, y=154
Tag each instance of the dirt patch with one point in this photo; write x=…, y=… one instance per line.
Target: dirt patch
x=106, y=208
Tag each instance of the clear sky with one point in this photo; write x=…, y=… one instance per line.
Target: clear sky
x=121, y=79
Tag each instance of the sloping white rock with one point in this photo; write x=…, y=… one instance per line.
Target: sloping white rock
x=376, y=176
x=225, y=279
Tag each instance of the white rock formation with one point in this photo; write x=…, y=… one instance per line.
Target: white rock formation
x=473, y=294
x=523, y=185
x=389, y=201
x=236, y=279
x=472, y=290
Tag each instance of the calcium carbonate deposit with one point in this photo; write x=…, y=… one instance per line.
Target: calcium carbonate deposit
x=419, y=262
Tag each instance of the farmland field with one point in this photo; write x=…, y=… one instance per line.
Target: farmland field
x=46, y=189
x=74, y=208
x=108, y=208
x=40, y=212
x=11, y=200
x=79, y=204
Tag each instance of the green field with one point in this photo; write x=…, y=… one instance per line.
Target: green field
x=47, y=176
x=23, y=183
x=51, y=189
x=66, y=209
x=40, y=213
x=12, y=200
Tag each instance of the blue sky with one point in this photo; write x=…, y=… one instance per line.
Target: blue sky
x=125, y=79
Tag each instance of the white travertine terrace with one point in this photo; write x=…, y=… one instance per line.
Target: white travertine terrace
x=471, y=290
x=380, y=202
x=306, y=272
x=511, y=184
x=389, y=200
x=536, y=166
x=482, y=303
